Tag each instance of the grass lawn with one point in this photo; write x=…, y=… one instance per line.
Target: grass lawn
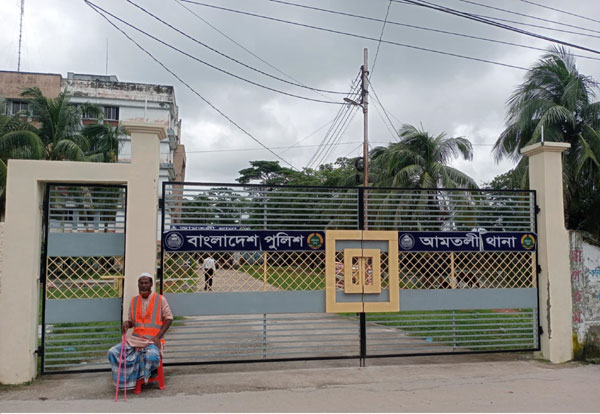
x=481, y=329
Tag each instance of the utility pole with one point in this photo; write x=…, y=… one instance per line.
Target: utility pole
x=20, y=35
x=364, y=103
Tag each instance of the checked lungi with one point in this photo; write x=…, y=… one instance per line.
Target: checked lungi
x=140, y=364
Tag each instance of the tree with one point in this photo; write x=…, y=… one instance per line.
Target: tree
x=60, y=129
x=557, y=99
x=421, y=160
x=17, y=140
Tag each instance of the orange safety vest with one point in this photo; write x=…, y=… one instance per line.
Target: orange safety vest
x=149, y=324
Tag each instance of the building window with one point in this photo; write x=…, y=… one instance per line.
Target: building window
x=12, y=107
x=111, y=113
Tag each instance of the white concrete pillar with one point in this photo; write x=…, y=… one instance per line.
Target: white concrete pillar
x=142, y=205
x=20, y=275
x=19, y=297
x=545, y=176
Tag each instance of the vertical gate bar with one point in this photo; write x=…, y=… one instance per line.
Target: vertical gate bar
x=264, y=335
x=452, y=274
x=453, y=330
x=43, y=275
x=265, y=258
x=361, y=208
x=363, y=339
x=162, y=232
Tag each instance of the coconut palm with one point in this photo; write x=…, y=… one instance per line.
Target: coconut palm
x=60, y=129
x=17, y=140
x=421, y=160
x=557, y=99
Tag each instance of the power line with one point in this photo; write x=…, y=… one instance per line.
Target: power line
x=383, y=108
x=333, y=133
x=527, y=15
x=553, y=29
x=344, y=109
x=213, y=66
x=380, y=37
x=262, y=149
x=310, y=135
x=561, y=11
x=227, y=56
x=412, y=26
x=240, y=45
x=357, y=36
x=476, y=18
x=93, y=7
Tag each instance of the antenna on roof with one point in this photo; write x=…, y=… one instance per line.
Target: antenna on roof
x=20, y=34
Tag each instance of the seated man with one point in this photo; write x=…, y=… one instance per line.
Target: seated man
x=150, y=317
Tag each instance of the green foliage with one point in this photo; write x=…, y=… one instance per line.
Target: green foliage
x=421, y=160
x=557, y=99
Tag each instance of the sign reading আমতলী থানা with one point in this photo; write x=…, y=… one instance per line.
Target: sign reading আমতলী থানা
x=454, y=241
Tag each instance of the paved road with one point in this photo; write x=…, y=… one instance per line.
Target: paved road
x=505, y=383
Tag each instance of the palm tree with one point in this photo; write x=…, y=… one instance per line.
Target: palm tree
x=60, y=127
x=557, y=99
x=17, y=140
x=421, y=160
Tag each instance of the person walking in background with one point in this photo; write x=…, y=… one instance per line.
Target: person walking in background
x=209, y=271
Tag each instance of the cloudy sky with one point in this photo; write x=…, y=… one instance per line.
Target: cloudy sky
x=443, y=93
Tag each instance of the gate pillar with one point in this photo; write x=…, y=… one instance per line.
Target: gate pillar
x=20, y=276
x=545, y=176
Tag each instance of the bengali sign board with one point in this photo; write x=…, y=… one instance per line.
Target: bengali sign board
x=243, y=240
x=186, y=240
x=454, y=241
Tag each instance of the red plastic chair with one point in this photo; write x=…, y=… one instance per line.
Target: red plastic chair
x=160, y=378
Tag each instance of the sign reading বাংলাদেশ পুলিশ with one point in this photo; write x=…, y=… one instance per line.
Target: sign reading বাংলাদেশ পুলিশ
x=455, y=241
x=243, y=240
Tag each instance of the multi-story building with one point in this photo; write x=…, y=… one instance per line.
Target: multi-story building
x=120, y=101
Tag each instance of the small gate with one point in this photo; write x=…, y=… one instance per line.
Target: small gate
x=312, y=272
x=82, y=276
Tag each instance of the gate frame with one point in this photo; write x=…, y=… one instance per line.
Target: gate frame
x=363, y=355
x=43, y=267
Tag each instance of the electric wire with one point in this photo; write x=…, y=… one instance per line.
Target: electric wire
x=295, y=145
x=383, y=108
x=338, y=116
x=213, y=66
x=560, y=11
x=357, y=35
x=387, y=13
x=527, y=15
x=329, y=150
x=428, y=29
x=330, y=138
x=386, y=123
x=552, y=29
x=240, y=45
x=343, y=125
x=333, y=134
x=225, y=55
x=469, y=16
x=93, y=7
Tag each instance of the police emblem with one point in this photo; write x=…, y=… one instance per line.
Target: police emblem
x=407, y=241
x=174, y=241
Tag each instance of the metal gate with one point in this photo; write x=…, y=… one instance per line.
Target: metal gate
x=314, y=272
x=82, y=276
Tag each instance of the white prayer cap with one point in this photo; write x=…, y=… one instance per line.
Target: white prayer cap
x=146, y=274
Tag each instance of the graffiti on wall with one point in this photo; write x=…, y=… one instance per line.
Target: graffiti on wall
x=585, y=285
